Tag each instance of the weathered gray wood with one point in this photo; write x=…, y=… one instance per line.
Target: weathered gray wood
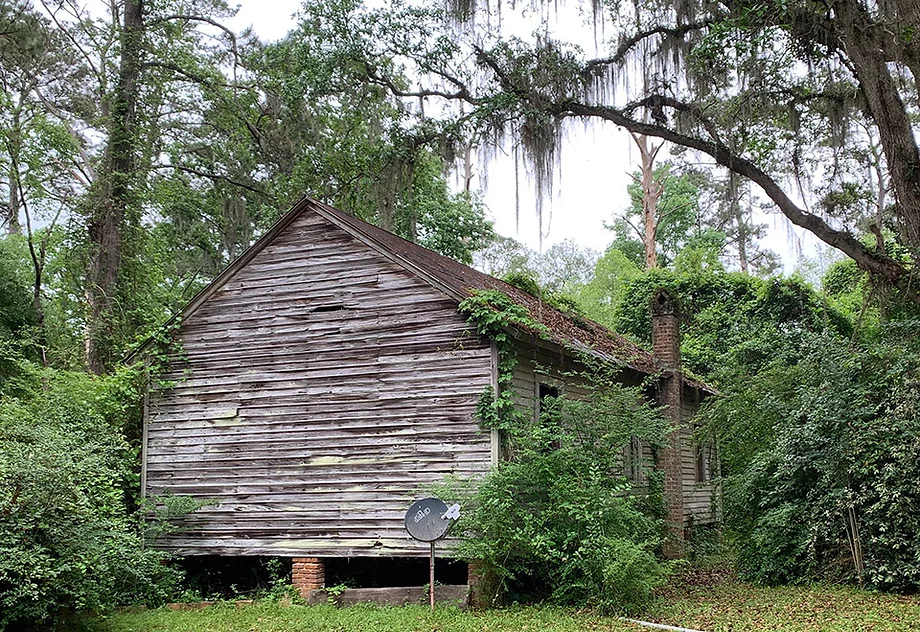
x=335, y=546
x=458, y=595
x=144, y=448
x=311, y=430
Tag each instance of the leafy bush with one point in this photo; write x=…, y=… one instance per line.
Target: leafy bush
x=560, y=521
x=68, y=480
x=730, y=321
x=824, y=459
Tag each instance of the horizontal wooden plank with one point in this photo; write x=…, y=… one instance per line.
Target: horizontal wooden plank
x=319, y=547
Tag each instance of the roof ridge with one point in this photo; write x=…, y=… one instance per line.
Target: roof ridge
x=639, y=359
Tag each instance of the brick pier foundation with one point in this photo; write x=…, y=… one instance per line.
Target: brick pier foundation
x=308, y=574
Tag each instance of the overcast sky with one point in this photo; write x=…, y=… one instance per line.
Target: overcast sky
x=596, y=162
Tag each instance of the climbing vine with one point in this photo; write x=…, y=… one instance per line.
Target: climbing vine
x=158, y=352
x=494, y=313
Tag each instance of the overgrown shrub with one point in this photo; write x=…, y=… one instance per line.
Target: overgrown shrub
x=730, y=321
x=69, y=539
x=560, y=521
x=824, y=458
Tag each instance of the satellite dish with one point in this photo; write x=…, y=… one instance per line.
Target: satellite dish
x=426, y=519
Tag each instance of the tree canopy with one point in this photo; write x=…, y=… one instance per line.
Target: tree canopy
x=814, y=103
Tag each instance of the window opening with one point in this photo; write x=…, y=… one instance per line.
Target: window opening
x=634, y=460
x=547, y=415
x=703, y=453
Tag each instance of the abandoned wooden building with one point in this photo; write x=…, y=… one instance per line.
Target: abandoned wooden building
x=326, y=376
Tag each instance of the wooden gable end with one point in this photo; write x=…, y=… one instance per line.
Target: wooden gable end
x=322, y=386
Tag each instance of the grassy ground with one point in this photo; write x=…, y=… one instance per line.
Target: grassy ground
x=274, y=618
x=733, y=606
x=712, y=606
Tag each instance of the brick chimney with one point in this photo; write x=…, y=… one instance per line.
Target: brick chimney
x=666, y=352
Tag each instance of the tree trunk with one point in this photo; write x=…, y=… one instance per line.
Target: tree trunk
x=38, y=258
x=38, y=268
x=651, y=192
x=114, y=198
x=889, y=113
x=743, y=262
x=741, y=230
x=468, y=167
x=13, y=226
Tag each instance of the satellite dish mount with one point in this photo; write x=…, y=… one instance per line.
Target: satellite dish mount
x=428, y=520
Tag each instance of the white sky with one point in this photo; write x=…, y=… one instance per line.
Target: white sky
x=591, y=189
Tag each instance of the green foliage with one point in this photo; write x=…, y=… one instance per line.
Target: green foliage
x=565, y=267
x=359, y=618
x=17, y=316
x=701, y=253
x=15, y=298
x=816, y=445
x=69, y=538
x=523, y=281
x=493, y=314
x=504, y=256
x=451, y=224
x=704, y=602
x=558, y=520
x=600, y=297
x=558, y=515
x=678, y=213
x=731, y=323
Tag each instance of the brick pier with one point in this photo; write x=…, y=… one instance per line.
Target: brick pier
x=308, y=574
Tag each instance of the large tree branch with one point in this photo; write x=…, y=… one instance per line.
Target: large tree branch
x=462, y=92
x=656, y=102
x=85, y=166
x=216, y=177
x=867, y=259
x=890, y=115
x=62, y=28
x=626, y=46
x=866, y=44
x=191, y=76
x=204, y=20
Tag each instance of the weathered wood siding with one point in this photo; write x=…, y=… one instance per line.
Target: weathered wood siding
x=540, y=364
x=699, y=505
x=323, y=386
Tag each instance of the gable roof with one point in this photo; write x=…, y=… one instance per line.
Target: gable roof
x=456, y=280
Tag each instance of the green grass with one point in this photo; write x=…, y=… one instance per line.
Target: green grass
x=294, y=618
x=719, y=607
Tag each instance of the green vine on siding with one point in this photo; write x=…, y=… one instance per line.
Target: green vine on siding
x=164, y=348
x=494, y=313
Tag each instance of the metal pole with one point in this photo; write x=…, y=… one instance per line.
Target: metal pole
x=431, y=577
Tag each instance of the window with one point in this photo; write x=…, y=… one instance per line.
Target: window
x=633, y=469
x=548, y=415
x=547, y=390
x=703, y=462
